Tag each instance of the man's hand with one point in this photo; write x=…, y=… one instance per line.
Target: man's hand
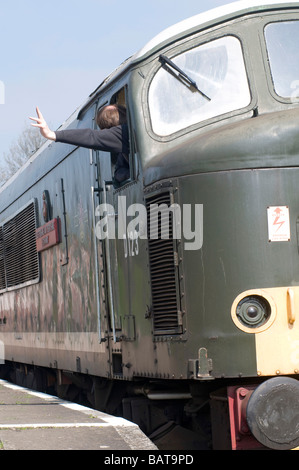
x=43, y=126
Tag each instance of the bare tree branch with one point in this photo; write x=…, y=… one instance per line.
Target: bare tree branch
x=27, y=144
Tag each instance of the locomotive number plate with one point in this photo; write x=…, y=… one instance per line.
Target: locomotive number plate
x=47, y=235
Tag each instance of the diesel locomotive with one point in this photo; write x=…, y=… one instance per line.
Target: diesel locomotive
x=173, y=297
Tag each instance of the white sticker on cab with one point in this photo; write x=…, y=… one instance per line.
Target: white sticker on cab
x=278, y=224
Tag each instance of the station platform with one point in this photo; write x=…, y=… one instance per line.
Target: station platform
x=31, y=420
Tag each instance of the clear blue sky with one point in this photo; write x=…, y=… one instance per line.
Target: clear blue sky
x=55, y=53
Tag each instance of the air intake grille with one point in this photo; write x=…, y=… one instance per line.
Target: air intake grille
x=163, y=271
x=19, y=262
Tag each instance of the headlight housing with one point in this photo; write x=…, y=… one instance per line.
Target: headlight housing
x=253, y=311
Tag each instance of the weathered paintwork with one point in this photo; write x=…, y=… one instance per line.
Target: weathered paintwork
x=91, y=311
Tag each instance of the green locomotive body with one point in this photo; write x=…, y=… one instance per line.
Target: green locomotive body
x=179, y=288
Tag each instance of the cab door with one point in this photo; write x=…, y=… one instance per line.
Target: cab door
x=108, y=235
x=111, y=224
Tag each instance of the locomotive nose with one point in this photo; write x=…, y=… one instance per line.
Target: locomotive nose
x=273, y=413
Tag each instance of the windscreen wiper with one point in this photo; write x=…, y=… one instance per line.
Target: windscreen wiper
x=181, y=74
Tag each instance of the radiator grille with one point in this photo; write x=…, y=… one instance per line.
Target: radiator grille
x=163, y=271
x=19, y=262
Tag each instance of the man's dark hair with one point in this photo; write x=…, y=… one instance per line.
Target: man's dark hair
x=111, y=115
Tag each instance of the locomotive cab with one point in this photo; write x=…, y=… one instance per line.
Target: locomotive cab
x=220, y=132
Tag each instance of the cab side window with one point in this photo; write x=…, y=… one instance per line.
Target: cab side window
x=121, y=166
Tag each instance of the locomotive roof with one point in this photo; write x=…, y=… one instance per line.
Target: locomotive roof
x=208, y=18
x=193, y=24
x=204, y=20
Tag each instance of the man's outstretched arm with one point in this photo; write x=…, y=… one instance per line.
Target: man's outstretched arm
x=43, y=126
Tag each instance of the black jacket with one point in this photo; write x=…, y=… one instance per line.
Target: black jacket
x=115, y=140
